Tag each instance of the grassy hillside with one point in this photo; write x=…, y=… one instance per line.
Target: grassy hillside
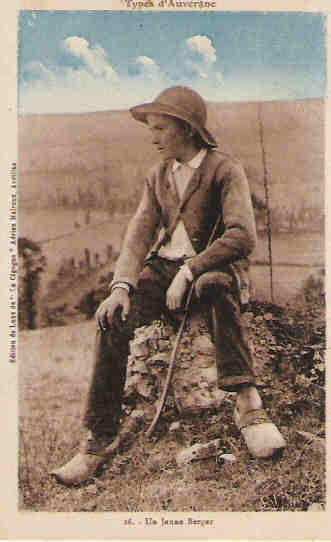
x=99, y=159
x=289, y=358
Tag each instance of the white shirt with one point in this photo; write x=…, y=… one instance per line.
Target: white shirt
x=180, y=245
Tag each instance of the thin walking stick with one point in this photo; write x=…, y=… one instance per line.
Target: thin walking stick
x=176, y=345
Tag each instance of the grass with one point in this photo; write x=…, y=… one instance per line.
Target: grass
x=145, y=477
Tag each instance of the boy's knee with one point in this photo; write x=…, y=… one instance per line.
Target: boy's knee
x=212, y=281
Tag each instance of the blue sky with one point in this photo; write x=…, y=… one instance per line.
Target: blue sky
x=78, y=61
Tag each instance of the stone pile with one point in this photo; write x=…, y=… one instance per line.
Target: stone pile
x=194, y=382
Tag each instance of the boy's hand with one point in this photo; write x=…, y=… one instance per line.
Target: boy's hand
x=177, y=290
x=118, y=299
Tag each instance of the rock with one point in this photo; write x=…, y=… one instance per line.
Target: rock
x=227, y=458
x=163, y=344
x=139, y=348
x=145, y=388
x=198, y=452
x=315, y=444
x=203, y=345
x=315, y=507
x=175, y=426
x=195, y=389
x=138, y=379
x=137, y=416
x=137, y=365
x=194, y=382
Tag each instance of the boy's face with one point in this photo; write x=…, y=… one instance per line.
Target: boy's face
x=170, y=136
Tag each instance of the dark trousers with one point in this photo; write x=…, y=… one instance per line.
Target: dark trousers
x=148, y=303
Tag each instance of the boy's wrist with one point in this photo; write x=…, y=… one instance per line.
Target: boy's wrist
x=120, y=284
x=187, y=272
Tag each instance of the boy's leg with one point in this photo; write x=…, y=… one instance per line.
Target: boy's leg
x=233, y=356
x=235, y=363
x=218, y=291
x=103, y=407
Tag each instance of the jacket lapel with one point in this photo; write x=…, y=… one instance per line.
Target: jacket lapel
x=168, y=195
x=192, y=186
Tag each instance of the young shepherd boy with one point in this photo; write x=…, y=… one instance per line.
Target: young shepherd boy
x=185, y=193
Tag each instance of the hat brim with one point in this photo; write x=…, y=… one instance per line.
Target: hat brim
x=140, y=113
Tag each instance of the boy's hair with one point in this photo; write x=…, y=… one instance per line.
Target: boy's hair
x=197, y=139
x=199, y=142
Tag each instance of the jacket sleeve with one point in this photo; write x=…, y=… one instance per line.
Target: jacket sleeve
x=239, y=237
x=138, y=238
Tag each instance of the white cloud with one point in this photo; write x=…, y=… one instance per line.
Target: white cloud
x=145, y=67
x=80, y=89
x=197, y=58
x=36, y=68
x=76, y=46
x=145, y=61
x=90, y=86
x=148, y=67
x=35, y=71
x=202, y=47
x=94, y=58
x=219, y=77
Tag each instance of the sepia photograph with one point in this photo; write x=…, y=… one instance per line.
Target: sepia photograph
x=171, y=256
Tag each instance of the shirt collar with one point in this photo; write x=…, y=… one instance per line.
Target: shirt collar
x=194, y=163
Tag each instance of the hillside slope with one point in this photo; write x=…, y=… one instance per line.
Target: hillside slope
x=107, y=153
x=55, y=368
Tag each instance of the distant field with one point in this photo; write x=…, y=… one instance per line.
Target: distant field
x=101, y=158
x=287, y=282
x=100, y=232
x=302, y=248
x=305, y=249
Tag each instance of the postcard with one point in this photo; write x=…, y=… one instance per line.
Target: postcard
x=164, y=270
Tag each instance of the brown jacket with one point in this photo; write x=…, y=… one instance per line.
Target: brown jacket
x=219, y=185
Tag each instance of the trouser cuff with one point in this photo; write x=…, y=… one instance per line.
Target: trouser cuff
x=235, y=383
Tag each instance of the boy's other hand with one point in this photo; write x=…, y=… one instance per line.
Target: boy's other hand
x=177, y=290
x=117, y=301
